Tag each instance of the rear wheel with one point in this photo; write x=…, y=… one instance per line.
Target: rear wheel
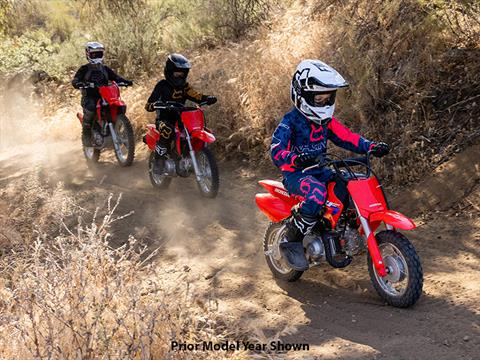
x=403, y=284
x=210, y=181
x=91, y=154
x=160, y=181
x=126, y=141
x=271, y=247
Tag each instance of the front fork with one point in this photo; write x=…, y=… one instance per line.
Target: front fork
x=373, y=247
x=114, y=138
x=198, y=175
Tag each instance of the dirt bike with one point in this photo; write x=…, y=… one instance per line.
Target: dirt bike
x=355, y=208
x=111, y=127
x=190, y=151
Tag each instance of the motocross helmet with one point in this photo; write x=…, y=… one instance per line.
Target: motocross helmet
x=179, y=65
x=94, y=52
x=311, y=78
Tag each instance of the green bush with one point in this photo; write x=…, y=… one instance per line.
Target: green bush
x=35, y=51
x=137, y=33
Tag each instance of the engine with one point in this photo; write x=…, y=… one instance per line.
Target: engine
x=354, y=243
x=170, y=167
x=184, y=166
x=315, y=249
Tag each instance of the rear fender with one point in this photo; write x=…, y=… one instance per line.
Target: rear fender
x=273, y=207
x=394, y=218
x=277, y=189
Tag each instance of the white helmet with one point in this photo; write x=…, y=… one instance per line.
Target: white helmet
x=314, y=77
x=94, y=52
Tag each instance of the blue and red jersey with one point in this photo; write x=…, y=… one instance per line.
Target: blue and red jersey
x=296, y=135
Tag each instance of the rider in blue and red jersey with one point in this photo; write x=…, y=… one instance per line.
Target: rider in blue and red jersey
x=299, y=142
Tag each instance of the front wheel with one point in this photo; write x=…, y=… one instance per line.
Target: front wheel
x=271, y=247
x=403, y=284
x=91, y=154
x=125, y=140
x=209, y=180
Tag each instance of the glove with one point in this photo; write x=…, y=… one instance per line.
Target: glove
x=305, y=160
x=150, y=107
x=128, y=82
x=211, y=100
x=380, y=149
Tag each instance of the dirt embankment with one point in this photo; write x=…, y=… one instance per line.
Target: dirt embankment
x=217, y=244
x=452, y=185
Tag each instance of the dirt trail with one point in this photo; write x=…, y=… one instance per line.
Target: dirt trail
x=217, y=243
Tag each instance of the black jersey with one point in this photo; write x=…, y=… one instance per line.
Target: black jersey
x=163, y=91
x=97, y=74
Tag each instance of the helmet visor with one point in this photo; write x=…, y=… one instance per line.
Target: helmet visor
x=179, y=74
x=95, y=54
x=319, y=98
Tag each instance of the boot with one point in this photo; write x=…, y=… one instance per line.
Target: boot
x=87, y=128
x=292, y=247
x=161, y=154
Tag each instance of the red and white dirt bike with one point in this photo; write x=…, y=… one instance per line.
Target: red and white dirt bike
x=355, y=208
x=111, y=127
x=190, y=152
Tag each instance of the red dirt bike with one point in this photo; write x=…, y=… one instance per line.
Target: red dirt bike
x=356, y=206
x=190, y=152
x=111, y=127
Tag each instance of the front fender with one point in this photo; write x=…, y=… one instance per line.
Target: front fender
x=203, y=135
x=275, y=208
x=394, y=218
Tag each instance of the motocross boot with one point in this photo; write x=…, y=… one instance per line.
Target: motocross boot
x=161, y=154
x=87, y=127
x=291, y=248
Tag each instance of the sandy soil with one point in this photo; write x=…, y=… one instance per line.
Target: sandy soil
x=218, y=244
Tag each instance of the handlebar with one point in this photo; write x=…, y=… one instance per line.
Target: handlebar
x=174, y=105
x=92, y=85
x=124, y=84
x=344, y=163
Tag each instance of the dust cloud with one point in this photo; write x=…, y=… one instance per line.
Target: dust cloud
x=31, y=127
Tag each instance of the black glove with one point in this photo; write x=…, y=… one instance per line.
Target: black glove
x=211, y=100
x=305, y=160
x=380, y=149
x=79, y=84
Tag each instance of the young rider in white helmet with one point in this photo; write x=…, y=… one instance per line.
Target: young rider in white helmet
x=301, y=138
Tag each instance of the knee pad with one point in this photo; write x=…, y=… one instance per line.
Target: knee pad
x=165, y=130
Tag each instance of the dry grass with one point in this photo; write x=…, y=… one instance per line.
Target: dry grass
x=412, y=66
x=398, y=57
x=74, y=296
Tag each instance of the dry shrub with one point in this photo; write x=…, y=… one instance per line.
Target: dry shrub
x=462, y=19
x=233, y=19
x=252, y=80
x=394, y=54
x=74, y=296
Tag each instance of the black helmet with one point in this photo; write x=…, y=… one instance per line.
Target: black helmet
x=179, y=64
